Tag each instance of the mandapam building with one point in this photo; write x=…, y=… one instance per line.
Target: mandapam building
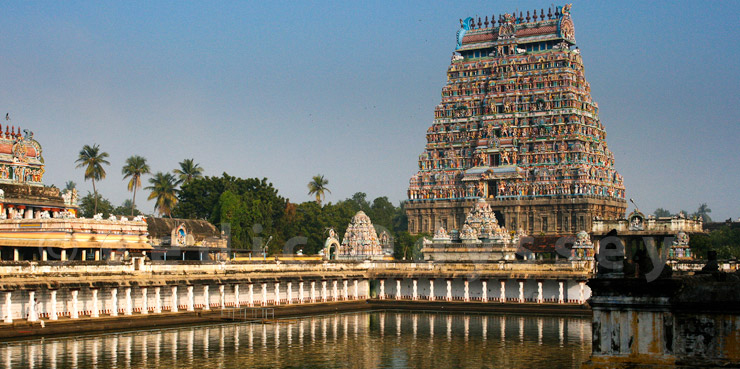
x=517, y=127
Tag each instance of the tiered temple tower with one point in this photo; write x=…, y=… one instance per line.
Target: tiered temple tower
x=517, y=127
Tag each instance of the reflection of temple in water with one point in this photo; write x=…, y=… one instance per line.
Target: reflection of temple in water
x=517, y=127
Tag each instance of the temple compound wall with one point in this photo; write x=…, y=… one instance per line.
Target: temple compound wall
x=517, y=127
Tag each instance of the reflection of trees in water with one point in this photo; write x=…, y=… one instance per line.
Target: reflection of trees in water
x=378, y=339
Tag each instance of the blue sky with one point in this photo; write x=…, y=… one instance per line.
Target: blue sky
x=286, y=90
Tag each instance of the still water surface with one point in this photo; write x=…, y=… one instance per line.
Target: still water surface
x=356, y=340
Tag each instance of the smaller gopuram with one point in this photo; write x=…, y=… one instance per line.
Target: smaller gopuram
x=360, y=241
x=481, y=239
x=22, y=194
x=39, y=223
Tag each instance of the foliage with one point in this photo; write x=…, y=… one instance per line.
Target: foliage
x=134, y=168
x=661, y=213
x=408, y=246
x=317, y=187
x=726, y=241
x=252, y=208
x=189, y=170
x=92, y=159
x=88, y=205
x=127, y=208
x=164, y=191
x=70, y=185
x=703, y=212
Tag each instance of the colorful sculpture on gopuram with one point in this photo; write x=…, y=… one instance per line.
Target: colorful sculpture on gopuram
x=516, y=126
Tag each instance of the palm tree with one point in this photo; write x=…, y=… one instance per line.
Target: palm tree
x=92, y=159
x=189, y=170
x=70, y=185
x=703, y=212
x=164, y=190
x=317, y=187
x=135, y=167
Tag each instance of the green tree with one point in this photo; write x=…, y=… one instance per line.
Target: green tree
x=189, y=170
x=70, y=185
x=317, y=187
x=134, y=168
x=92, y=159
x=127, y=207
x=408, y=246
x=703, y=213
x=164, y=191
x=90, y=205
x=661, y=213
x=253, y=209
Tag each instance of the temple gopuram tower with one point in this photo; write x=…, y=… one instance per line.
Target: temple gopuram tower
x=517, y=127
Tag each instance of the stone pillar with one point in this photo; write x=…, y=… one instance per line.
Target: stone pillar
x=53, y=303
x=16, y=255
x=398, y=288
x=251, y=295
x=222, y=295
x=313, y=291
x=114, y=301
x=237, y=303
x=277, y=293
x=32, y=314
x=129, y=303
x=484, y=290
x=466, y=297
x=84, y=255
x=414, y=290
x=97, y=255
x=323, y=290
x=382, y=289
x=191, y=299
x=561, y=295
x=64, y=255
x=300, y=292
x=174, y=308
x=582, y=298
x=74, y=314
x=206, y=297
x=95, y=304
x=521, y=290
x=345, y=289
x=449, y=289
x=290, y=293
x=144, y=300
x=157, y=301
x=540, y=298
x=503, y=290
x=264, y=294
x=357, y=290
x=44, y=254
x=431, y=289
x=8, y=308
x=334, y=290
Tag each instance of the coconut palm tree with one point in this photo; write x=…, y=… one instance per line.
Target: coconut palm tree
x=189, y=170
x=164, y=191
x=317, y=187
x=70, y=185
x=134, y=168
x=92, y=159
